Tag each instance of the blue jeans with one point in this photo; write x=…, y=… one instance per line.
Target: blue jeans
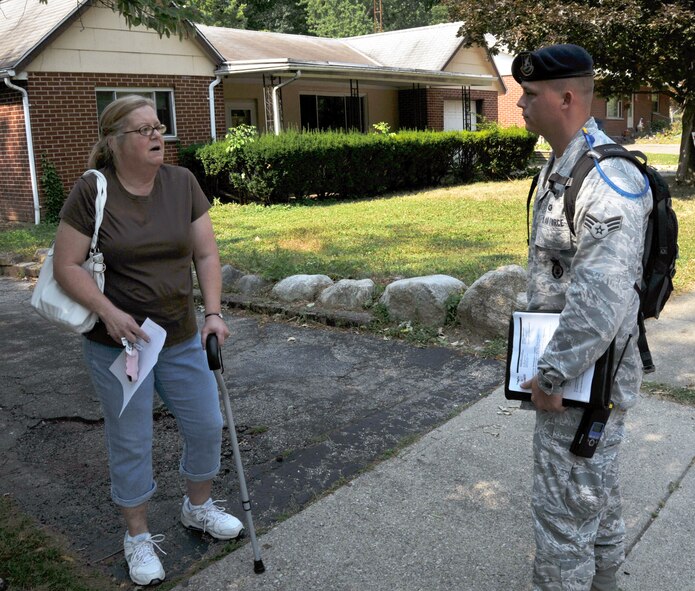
x=188, y=388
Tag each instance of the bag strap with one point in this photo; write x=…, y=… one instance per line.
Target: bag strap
x=99, y=205
x=534, y=184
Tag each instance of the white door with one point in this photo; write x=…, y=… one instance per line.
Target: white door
x=453, y=115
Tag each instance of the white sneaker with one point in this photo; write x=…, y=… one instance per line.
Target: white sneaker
x=211, y=519
x=143, y=564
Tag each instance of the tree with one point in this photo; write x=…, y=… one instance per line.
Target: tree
x=278, y=16
x=337, y=18
x=634, y=43
x=221, y=13
x=406, y=14
x=164, y=18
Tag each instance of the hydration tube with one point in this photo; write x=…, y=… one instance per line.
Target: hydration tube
x=590, y=142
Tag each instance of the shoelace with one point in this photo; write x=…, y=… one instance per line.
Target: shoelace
x=144, y=550
x=210, y=512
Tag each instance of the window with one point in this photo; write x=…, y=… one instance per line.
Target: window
x=241, y=113
x=614, y=108
x=163, y=100
x=331, y=112
x=655, y=102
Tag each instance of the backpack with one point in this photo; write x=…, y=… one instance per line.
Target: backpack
x=661, y=236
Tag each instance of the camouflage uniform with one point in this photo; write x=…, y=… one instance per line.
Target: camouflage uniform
x=576, y=501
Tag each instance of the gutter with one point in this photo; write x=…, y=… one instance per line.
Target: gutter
x=344, y=71
x=30, y=143
x=211, y=99
x=276, y=107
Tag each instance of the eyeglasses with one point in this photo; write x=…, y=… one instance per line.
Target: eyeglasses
x=148, y=130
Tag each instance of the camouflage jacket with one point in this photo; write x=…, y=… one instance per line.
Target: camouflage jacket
x=589, y=277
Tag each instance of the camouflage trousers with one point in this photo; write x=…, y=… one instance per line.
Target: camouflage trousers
x=576, y=507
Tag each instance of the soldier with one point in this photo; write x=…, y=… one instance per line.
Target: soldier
x=590, y=278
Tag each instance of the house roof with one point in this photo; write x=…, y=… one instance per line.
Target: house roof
x=422, y=48
x=398, y=57
x=27, y=26
x=407, y=56
x=243, y=45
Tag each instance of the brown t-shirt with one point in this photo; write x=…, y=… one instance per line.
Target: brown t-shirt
x=147, y=246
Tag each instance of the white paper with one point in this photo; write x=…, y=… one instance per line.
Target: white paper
x=147, y=358
x=532, y=333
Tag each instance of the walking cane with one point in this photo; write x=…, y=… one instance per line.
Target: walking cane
x=215, y=363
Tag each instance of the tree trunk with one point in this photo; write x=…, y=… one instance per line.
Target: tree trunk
x=686, y=161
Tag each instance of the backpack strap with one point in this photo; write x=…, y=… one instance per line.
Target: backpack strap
x=532, y=190
x=590, y=160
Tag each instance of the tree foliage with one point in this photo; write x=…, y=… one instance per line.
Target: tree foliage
x=634, y=43
x=337, y=18
x=406, y=14
x=221, y=13
x=166, y=18
x=278, y=16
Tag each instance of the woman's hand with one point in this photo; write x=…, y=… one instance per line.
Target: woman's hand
x=214, y=324
x=120, y=325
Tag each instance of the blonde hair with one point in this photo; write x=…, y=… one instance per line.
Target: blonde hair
x=111, y=123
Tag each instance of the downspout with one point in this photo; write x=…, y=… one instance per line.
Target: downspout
x=276, y=106
x=30, y=147
x=211, y=98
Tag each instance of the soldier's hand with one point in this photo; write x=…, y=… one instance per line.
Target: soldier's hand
x=541, y=400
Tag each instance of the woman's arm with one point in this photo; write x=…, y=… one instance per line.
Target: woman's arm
x=69, y=252
x=207, y=265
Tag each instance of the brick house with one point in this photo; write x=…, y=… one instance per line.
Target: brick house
x=62, y=62
x=619, y=117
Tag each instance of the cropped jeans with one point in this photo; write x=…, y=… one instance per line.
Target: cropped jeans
x=188, y=388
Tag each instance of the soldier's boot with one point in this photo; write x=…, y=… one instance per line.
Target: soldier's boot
x=605, y=580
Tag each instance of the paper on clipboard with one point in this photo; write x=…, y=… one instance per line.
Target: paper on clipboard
x=530, y=335
x=148, y=357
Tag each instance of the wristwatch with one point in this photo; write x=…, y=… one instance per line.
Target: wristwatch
x=215, y=314
x=547, y=385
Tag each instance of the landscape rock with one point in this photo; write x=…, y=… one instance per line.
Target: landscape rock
x=301, y=287
x=348, y=294
x=421, y=299
x=251, y=285
x=230, y=276
x=486, y=306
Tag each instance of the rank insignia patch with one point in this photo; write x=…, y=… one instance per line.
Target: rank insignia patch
x=601, y=228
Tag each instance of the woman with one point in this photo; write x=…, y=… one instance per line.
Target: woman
x=155, y=224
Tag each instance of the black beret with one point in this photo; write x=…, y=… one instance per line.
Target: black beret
x=552, y=62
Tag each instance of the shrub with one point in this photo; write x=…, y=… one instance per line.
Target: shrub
x=53, y=190
x=296, y=165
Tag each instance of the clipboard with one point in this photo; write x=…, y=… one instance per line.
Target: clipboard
x=529, y=334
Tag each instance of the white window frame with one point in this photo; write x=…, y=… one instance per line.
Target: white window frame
x=614, y=108
x=148, y=92
x=250, y=105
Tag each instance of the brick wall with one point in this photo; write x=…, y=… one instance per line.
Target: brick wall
x=430, y=103
x=437, y=96
x=509, y=113
x=65, y=127
x=16, y=201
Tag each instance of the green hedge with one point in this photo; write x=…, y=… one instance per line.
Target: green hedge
x=271, y=169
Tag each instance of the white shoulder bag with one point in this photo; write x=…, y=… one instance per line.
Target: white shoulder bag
x=50, y=300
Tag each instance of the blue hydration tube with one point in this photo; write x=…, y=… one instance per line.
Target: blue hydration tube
x=590, y=142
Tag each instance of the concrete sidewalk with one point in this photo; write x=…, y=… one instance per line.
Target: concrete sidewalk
x=452, y=511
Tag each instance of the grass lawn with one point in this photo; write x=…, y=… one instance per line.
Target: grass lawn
x=462, y=231
x=32, y=558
